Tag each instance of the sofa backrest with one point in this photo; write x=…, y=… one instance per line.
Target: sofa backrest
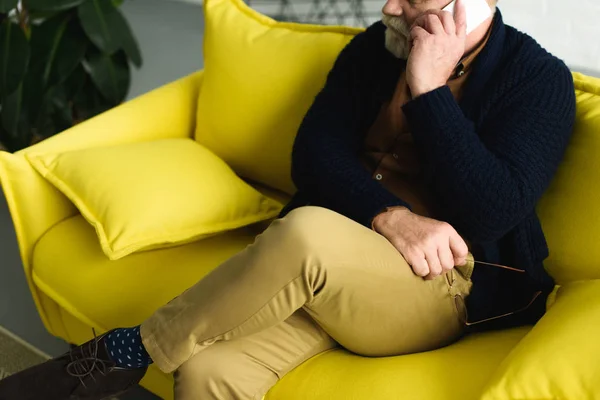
x=570, y=209
x=260, y=78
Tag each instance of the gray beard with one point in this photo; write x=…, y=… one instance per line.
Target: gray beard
x=397, y=45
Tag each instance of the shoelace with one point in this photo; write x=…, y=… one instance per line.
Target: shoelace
x=87, y=363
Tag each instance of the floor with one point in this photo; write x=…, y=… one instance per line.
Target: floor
x=170, y=36
x=16, y=356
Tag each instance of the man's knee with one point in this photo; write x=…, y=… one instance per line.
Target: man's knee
x=305, y=228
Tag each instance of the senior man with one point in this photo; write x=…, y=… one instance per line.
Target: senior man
x=419, y=166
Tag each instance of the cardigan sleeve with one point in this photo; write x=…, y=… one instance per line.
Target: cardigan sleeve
x=325, y=160
x=487, y=182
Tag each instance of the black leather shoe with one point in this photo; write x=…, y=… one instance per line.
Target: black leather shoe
x=85, y=373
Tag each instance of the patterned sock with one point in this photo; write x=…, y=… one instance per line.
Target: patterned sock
x=125, y=348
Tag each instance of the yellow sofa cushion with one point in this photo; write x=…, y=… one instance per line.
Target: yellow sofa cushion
x=457, y=372
x=559, y=358
x=260, y=79
x=153, y=194
x=570, y=210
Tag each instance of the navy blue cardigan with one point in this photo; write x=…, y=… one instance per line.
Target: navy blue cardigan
x=487, y=159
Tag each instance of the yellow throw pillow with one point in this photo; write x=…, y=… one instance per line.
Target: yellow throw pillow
x=260, y=79
x=154, y=194
x=560, y=357
x=570, y=210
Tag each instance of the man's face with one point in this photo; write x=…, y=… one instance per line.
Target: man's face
x=398, y=17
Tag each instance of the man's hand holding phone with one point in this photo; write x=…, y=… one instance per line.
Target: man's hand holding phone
x=438, y=44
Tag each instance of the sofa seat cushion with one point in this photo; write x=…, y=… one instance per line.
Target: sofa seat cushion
x=70, y=267
x=457, y=372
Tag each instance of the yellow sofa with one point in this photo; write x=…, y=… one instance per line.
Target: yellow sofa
x=74, y=287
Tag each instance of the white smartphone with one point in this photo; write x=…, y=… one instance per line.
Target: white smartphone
x=477, y=12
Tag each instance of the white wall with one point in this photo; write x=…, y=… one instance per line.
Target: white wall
x=570, y=29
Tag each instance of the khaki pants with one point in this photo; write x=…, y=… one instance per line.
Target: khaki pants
x=312, y=281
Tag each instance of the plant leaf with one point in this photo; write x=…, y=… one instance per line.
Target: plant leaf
x=89, y=102
x=110, y=74
x=12, y=110
x=58, y=46
x=56, y=110
x=33, y=94
x=74, y=82
x=4, y=138
x=7, y=5
x=62, y=118
x=123, y=32
x=52, y=5
x=45, y=125
x=15, y=121
x=108, y=29
x=117, y=3
x=99, y=19
x=45, y=41
x=11, y=143
x=38, y=17
x=14, y=57
x=69, y=54
x=62, y=113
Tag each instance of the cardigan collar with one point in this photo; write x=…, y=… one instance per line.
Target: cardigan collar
x=485, y=64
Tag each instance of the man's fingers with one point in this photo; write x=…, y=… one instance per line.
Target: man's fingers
x=431, y=21
x=459, y=249
x=418, y=33
x=446, y=258
x=448, y=22
x=421, y=20
x=434, y=24
x=414, y=258
x=460, y=18
x=435, y=266
x=419, y=266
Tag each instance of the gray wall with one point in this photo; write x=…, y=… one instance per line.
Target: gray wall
x=17, y=310
x=170, y=36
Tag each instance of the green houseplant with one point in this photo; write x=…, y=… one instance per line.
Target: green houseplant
x=61, y=62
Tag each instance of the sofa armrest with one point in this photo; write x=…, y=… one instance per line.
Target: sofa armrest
x=558, y=359
x=36, y=206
